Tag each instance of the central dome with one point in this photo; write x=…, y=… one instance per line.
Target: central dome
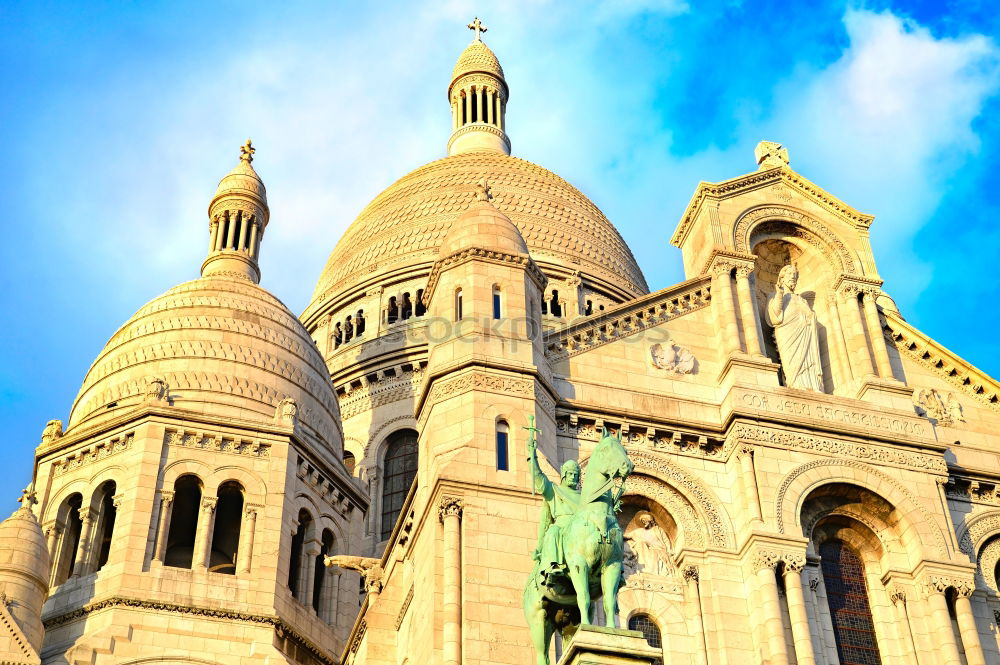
x=405, y=225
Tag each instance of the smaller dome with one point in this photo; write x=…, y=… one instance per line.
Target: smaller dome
x=477, y=57
x=483, y=227
x=22, y=547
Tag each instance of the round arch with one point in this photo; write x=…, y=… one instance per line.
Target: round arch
x=800, y=482
x=805, y=227
x=976, y=530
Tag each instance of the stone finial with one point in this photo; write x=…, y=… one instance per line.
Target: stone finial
x=478, y=26
x=770, y=154
x=157, y=389
x=286, y=412
x=483, y=192
x=246, y=151
x=28, y=498
x=53, y=430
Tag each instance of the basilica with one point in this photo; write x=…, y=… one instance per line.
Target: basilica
x=815, y=480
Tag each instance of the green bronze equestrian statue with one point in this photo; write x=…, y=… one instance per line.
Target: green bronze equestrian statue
x=580, y=546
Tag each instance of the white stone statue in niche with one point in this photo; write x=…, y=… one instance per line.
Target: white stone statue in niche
x=795, y=333
x=650, y=547
x=672, y=358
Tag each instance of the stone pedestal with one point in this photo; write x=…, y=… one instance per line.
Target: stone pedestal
x=594, y=645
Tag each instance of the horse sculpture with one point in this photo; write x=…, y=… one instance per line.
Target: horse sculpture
x=580, y=548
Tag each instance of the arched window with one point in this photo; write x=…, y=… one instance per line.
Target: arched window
x=649, y=630
x=348, y=330
x=392, y=313
x=320, y=599
x=458, y=304
x=496, y=301
x=421, y=309
x=226, y=534
x=359, y=323
x=503, y=432
x=844, y=577
x=400, y=469
x=349, y=462
x=183, y=522
x=105, y=524
x=554, y=305
x=407, y=307
x=73, y=525
x=295, y=561
x=338, y=336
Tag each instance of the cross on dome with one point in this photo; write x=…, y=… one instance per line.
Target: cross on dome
x=27, y=499
x=246, y=151
x=478, y=26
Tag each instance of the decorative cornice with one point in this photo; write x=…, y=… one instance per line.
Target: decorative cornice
x=942, y=362
x=757, y=180
x=280, y=626
x=628, y=319
x=93, y=453
x=402, y=609
x=214, y=442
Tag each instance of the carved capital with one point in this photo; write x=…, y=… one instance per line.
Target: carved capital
x=722, y=267
x=896, y=593
x=166, y=498
x=117, y=501
x=743, y=271
x=690, y=573
x=794, y=563
x=250, y=512
x=745, y=450
x=765, y=559
x=848, y=290
x=451, y=506
x=85, y=514
x=208, y=504
x=941, y=583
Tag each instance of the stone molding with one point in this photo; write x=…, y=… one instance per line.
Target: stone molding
x=941, y=583
x=93, y=453
x=280, y=626
x=479, y=127
x=627, y=319
x=874, y=476
x=323, y=486
x=976, y=530
x=523, y=261
x=704, y=500
x=644, y=435
x=945, y=364
x=385, y=390
x=517, y=385
x=643, y=582
x=220, y=443
x=839, y=448
x=802, y=226
x=692, y=527
x=760, y=179
x=402, y=609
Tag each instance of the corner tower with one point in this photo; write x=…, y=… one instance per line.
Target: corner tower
x=478, y=95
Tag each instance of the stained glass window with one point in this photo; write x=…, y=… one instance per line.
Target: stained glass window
x=400, y=470
x=645, y=625
x=844, y=577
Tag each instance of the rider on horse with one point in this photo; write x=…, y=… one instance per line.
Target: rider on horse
x=560, y=503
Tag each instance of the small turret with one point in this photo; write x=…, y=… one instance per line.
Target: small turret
x=237, y=216
x=24, y=584
x=478, y=95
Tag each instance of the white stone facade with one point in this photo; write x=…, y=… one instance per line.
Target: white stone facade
x=221, y=448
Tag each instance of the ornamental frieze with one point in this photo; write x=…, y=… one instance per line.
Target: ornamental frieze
x=219, y=443
x=838, y=447
x=645, y=435
x=92, y=453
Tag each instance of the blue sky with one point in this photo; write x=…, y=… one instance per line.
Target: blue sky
x=118, y=119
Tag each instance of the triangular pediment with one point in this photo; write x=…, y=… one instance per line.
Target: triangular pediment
x=779, y=180
x=14, y=646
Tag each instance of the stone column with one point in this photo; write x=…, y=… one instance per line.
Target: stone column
x=748, y=310
x=824, y=618
x=967, y=626
x=213, y=229
x=489, y=107
x=335, y=607
x=694, y=597
x=163, y=528
x=231, y=236
x=450, y=512
x=244, y=229
x=81, y=565
x=203, y=536
x=722, y=300
x=908, y=646
x=937, y=610
x=815, y=628
x=774, y=632
x=835, y=336
x=797, y=611
x=254, y=239
x=245, y=553
x=861, y=362
x=220, y=236
x=307, y=570
x=326, y=596
x=876, y=336
x=52, y=532
x=749, y=478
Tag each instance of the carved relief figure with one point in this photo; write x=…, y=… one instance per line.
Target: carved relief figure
x=945, y=410
x=672, y=358
x=651, y=546
x=286, y=411
x=795, y=333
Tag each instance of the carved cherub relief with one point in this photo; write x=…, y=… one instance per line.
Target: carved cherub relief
x=672, y=358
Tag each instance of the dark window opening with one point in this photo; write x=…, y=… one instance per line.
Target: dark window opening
x=71, y=538
x=503, y=432
x=475, y=105
x=320, y=577
x=359, y=323
x=421, y=309
x=400, y=470
x=295, y=560
x=393, y=312
x=338, y=336
x=106, y=527
x=226, y=533
x=407, y=307
x=554, y=305
x=458, y=305
x=496, y=302
x=348, y=329
x=183, y=522
x=590, y=308
x=463, y=100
